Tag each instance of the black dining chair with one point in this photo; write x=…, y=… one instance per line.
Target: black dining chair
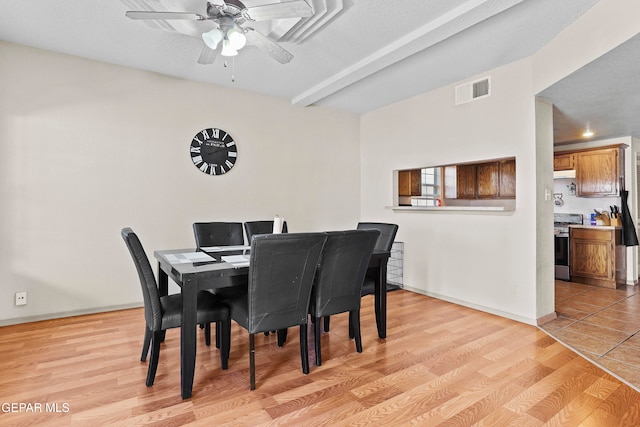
x=253, y=228
x=218, y=234
x=383, y=244
x=165, y=312
x=338, y=284
x=281, y=272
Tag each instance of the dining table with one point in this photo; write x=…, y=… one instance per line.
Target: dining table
x=192, y=273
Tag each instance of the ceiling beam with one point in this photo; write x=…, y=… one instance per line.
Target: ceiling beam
x=445, y=26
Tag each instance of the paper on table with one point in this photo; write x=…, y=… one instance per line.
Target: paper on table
x=237, y=260
x=185, y=257
x=225, y=248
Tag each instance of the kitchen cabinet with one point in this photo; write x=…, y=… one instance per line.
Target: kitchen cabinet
x=466, y=181
x=564, y=162
x=487, y=180
x=597, y=256
x=598, y=172
x=409, y=183
x=508, y=179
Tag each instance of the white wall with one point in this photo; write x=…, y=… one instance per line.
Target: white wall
x=483, y=260
x=87, y=148
x=498, y=263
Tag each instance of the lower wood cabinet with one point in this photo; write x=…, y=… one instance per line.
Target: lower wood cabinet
x=597, y=256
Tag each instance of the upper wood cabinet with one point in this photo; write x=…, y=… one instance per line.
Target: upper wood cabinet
x=409, y=183
x=598, y=172
x=564, y=162
x=508, y=179
x=486, y=180
x=466, y=181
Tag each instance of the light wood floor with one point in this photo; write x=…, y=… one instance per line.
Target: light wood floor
x=441, y=365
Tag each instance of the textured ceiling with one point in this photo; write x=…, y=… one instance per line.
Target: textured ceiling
x=361, y=55
x=604, y=94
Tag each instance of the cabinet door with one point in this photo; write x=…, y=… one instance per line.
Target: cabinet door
x=597, y=173
x=563, y=162
x=466, y=181
x=409, y=183
x=488, y=180
x=508, y=179
x=592, y=259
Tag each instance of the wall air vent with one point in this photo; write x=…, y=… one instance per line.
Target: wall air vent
x=473, y=90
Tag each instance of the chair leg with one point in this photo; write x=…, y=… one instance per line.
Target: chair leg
x=351, y=332
x=225, y=339
x=207, y=334
x=355, y=315
x=326, y=323
x=316, y=340
x=282, y=336
x=304, y=349
x=252, y=362
x=145, y=344
x=218, y=332
x=155, y=357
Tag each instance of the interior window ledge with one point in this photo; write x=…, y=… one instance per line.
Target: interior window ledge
x=451, y=208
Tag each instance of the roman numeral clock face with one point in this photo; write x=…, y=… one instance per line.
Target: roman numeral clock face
x=213, y=151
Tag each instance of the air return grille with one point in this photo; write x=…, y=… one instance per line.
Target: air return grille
x=473, y=90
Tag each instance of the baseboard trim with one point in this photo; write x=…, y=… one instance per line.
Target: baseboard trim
x=547, y=318
x=478, y=307
x=50, y=316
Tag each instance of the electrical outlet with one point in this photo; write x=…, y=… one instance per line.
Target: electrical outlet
x=21, y=298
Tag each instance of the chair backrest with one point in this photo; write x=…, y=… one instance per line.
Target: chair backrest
x=281, y=272
x=341, y=272
x=253, y=228
x=218, y=234
x=150, y=293
x=387, y=234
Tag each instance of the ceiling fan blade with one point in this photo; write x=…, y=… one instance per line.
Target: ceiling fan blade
x=207, y=56
x=289, y=9
x=135, y=14
x=268, y=46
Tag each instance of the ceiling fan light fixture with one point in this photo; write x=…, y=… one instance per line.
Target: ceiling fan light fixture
x=237, y=39
x=212, y=38
x=227, y=49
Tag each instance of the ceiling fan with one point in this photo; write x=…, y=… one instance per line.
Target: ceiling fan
x=231, y=33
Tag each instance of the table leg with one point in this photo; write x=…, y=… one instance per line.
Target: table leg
x=188, y=337
x=163, y=282
x=163, y=289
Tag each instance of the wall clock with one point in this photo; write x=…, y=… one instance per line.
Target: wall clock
x=213, y=151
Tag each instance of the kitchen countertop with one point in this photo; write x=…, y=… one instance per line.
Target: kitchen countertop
x=452, y=208
x=606, y=227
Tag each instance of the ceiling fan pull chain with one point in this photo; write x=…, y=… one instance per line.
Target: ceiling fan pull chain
x=233, y=69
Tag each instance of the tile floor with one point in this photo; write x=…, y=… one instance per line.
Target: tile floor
x=601, y=324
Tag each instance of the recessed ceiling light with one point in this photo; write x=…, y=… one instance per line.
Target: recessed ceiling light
x=588, y=133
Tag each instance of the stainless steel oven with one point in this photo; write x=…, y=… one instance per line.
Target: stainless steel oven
x=561, y=224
